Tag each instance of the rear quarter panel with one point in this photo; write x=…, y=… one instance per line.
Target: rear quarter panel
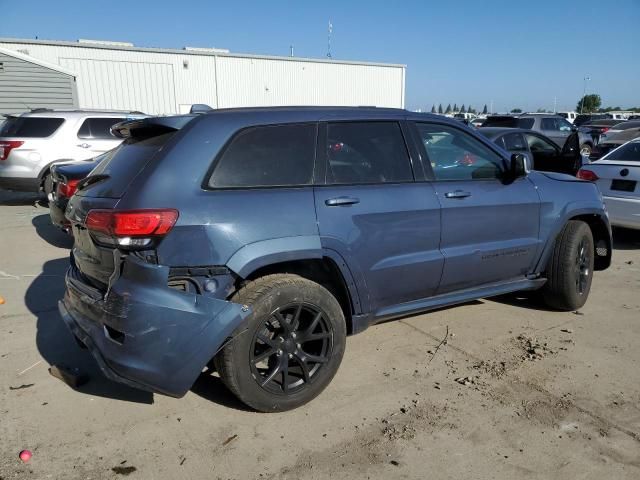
x=215, y=224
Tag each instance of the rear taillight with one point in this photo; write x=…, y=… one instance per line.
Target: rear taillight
x=132, y=228
x=6, y=147
x=605, y=129
x=588, y=175
x=67, y=189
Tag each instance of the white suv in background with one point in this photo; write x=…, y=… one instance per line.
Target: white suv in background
x=31, y=142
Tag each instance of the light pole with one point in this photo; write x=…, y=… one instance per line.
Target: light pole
x=584, y=92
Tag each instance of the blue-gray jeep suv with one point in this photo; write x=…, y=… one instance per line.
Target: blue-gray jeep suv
x=253, y=241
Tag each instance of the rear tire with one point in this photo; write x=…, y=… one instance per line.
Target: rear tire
x=292, y=345
x=570, y=269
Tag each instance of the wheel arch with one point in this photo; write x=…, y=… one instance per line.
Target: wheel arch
x=602, y=240
x=44, y=171
x=302, y=256
x=600, y=229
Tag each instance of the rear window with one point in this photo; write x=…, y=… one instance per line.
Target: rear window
x=122, y=164
x=277, y=155
x=30, y=127
x=629, y=153
x=627, y=125
x=98, y=128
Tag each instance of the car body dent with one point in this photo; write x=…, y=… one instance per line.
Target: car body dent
x=276, y=250
x=178, y=331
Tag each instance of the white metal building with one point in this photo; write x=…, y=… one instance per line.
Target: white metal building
x=117, y=75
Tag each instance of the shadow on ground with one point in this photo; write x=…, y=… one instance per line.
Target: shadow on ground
x=10, y=198
x=626, y=239
x=57, y=345
x=211, y=388
x=50, y=233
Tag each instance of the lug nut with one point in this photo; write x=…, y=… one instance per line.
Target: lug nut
x=290, y=355
x=293, y=335
x=279, y=352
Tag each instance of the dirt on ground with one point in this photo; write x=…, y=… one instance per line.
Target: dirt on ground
x=500, y=388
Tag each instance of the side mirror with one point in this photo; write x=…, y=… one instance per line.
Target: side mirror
x=518, y=165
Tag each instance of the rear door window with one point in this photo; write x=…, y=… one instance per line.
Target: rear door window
x=550, y=124
x=98, y=128
x=526, y=123
x=269, y=156
x=30, y=127
x=514, y=142
x=367, y=152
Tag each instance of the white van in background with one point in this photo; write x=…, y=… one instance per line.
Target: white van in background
x=569, y=116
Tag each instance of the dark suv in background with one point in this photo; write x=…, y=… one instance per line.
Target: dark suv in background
x=252, y=241
x=551, y=126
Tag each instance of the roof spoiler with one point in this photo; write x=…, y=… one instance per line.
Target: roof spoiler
x=200, y=108
x=149, y=127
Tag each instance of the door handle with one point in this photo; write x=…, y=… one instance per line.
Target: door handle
x=84, y=145
x=339, y=201
x=457, y=194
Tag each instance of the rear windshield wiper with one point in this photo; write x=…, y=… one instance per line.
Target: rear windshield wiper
x=91, y=179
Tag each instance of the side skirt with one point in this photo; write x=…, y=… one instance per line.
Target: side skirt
x=361, y=322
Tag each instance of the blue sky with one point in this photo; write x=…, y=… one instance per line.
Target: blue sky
x=516, y=53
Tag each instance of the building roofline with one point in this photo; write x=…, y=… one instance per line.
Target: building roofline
x=37, y=61
x=62, y=43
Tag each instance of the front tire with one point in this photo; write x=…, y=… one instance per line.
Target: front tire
x=570, y=269
x=46, y=186
x=292, y=346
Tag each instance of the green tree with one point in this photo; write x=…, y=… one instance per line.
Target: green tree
x=448, y=110
x=471, y=110
x=516, y=110
x=462, y=109
x=484, y=110
x=589, y=103
x=440, y=108
x=455, y=108
x=433, y=108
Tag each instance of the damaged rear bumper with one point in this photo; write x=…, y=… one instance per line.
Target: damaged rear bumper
x=145, y=334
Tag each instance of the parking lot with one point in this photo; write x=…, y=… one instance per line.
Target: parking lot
x=513, y=391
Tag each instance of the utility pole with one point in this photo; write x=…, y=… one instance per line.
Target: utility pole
x=329, y=32
x=584, y=92
x=291, y=50
x=555, y=103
